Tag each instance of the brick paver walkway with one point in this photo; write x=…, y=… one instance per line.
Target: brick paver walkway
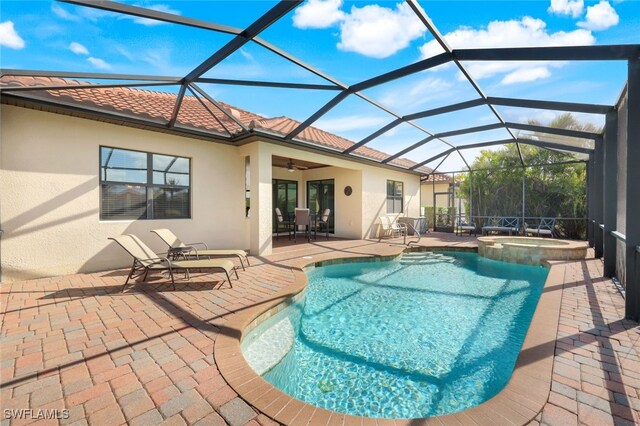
x=145, y=356
x=596, y=372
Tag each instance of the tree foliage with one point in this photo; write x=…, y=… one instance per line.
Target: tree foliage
x=495, y=186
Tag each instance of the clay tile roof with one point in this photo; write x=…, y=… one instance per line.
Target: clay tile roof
x=284, y=125
x=145, y=104
x=439, y=178
x=158, y=106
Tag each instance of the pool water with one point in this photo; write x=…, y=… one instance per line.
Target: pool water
x=430, y=334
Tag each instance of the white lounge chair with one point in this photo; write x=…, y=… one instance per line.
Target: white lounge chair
x=145, y=260
x=179, y=249
x=391, y=228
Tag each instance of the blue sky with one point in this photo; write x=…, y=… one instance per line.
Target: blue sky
x=351, y=41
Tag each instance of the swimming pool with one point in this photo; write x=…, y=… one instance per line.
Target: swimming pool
x=431, y=334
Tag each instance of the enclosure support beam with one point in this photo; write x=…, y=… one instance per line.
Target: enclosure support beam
x=550, y=53
x=433, y=191
x=557, y=106
x=596, y=198
x=524, y=203
x=632, y=285
x=610, y=192
x=592, y=225
x=554, y=131
x=470, y=196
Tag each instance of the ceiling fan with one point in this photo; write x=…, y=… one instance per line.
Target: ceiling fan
x=293, y=167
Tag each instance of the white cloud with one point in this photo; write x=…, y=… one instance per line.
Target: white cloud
x=78, y=49
x=513, y=33
x=523, y=115
x=413, y=94
x=318, y=14
x=379, y=32
x=600, y=17
x=62, y=13
x=567, y=7
x=98, y=63
x=125, y=51
x=428, y=86
x=372, y=30
x=151, y=22
x=348, y=123
x=246, y=55
x=526, y=74
x=9, y=36
x=161, y=60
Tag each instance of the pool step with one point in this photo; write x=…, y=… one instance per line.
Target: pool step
x=270, y=347
x=422, y=258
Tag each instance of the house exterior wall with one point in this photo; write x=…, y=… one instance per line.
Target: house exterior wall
x=356, y=215
x=374, y=197
x=348, y=209
x=49, y=187
x=50, y=193
x=260, y=219
x=426, y=194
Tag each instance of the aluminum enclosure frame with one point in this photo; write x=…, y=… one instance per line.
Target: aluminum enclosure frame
x=602, y=167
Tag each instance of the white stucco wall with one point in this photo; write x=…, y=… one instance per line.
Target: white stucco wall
x=427, y=194
x=348, y=209
x=260, y=220
x=374, y=197
x=49, y=193
x=357, y=216
x=49, y=189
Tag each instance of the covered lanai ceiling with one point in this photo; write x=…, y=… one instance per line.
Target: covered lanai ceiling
x=409, y=112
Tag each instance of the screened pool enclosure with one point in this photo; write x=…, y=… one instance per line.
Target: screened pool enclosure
x=611, y=156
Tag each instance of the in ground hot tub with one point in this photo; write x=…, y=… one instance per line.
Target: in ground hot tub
x=530, y=250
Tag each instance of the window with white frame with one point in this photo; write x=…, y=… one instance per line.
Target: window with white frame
x=394, y=196
x=143, y=185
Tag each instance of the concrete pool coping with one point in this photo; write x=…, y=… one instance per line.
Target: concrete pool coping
x=518, y=403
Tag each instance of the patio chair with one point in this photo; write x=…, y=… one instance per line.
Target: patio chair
x=510, y=225
x=546, y=226
x=145, y=260
x=491, y=225
x=392, y=228
x=462, y=224
x=303, y=218
x=323, y=220
x=280, y=222
x=503, y=224
x=178, y=249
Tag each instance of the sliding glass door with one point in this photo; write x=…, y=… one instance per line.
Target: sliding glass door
x=285, y=197
x=320, y=196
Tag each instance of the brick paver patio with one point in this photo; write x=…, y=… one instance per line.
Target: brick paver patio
x=145, y=356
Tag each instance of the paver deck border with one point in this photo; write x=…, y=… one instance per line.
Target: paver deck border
x=518, y=403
